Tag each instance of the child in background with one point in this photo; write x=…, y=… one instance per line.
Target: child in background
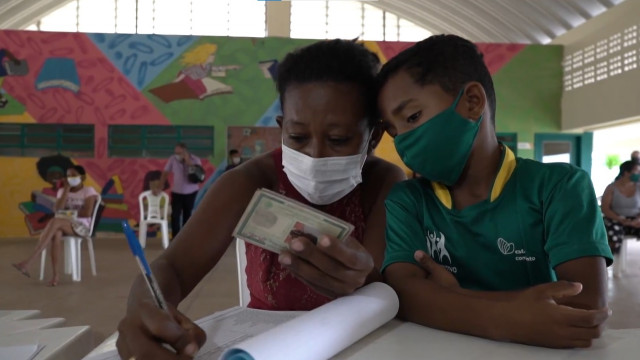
x=484, y=243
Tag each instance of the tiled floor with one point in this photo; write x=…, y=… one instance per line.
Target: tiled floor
x=100, y=301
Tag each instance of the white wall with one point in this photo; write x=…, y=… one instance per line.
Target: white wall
x=616, y=98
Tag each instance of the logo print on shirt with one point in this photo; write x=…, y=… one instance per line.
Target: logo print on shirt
x=436, y=246
x=506, y=247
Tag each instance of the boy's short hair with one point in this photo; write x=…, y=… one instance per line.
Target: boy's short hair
x=181, y=145
x=233, y=152
x=339, y=61
x=446, y=60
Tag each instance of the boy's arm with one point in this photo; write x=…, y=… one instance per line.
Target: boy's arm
x=530, y=316
x=425, y=301
x=590, y=272
x=576, y=239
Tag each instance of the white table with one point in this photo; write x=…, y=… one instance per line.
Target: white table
x=402, y=340
x=18, y=314
x=60, y=343
x=8, y=327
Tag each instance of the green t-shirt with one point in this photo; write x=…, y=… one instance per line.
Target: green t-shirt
x=536, y=217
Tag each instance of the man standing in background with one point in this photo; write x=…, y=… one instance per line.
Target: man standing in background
x=635, y=156
x=183, y=191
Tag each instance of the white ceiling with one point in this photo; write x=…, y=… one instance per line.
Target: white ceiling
x=513, y=21
x=510, y=21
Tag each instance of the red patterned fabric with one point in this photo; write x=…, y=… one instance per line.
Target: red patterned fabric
x=274, y=288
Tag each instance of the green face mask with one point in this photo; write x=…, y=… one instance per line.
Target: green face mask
x=439, y=148
x=635, y=177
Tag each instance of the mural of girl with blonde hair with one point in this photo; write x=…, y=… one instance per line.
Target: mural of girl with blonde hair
x=196, y=79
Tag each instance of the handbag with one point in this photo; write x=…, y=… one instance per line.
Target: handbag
x=195, y=174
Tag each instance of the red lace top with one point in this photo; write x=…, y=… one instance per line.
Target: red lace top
x=273, y=287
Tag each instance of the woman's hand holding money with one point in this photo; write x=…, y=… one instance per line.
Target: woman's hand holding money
x=332, y=267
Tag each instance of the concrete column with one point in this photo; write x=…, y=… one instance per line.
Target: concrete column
x=279, y=18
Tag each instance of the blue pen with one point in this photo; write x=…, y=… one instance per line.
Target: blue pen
x=138, y=253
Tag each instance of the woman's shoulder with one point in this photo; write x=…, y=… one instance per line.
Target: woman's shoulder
x=89, y=190
x=610, y=187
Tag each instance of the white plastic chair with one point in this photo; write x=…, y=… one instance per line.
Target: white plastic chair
x=620, y=263
x=154, y=214
x=243, y=289
x=73, y=250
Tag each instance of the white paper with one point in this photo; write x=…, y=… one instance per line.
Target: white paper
x=325, y=331
x=225, y=329
x=235, y=325
x=109, y=355
x=20, y=352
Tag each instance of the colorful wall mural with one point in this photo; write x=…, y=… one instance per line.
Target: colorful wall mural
x=123, y=79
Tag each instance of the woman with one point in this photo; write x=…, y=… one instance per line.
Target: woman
x=73, y=196
x=621, y=205
x=329, y=119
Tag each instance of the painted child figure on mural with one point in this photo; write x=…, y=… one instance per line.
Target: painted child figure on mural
x=9, y=65
x=196, y=79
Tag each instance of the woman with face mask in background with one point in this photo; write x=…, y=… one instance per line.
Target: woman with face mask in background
x=329, y=126
x=621, y=205
x=77, y=198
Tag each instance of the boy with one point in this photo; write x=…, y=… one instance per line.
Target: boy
x=484, y=243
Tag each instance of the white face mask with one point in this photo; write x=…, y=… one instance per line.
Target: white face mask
x=74, y=181
x=235, y=160
x=323, y=181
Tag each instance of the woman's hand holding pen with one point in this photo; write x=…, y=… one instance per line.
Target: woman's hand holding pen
x=151, y=321
x=146, y=327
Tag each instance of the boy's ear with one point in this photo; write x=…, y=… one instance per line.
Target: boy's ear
x=474, y=101
x=279, y=119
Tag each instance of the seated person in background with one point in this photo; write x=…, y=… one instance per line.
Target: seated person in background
x=73, y=196
x=327, y=91
x=156, y=187
x=621, y=205
x=484, y=243
x=234, y=159
x=154, y=199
